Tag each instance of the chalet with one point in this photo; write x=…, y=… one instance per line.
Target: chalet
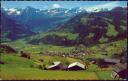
x=120, y=71
x=57, y=66
x=76, y=66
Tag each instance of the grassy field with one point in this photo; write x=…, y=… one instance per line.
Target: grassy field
x=36, y=74
x=18, y=68
x=21, y=73
x=23, y=45
x=97, y=50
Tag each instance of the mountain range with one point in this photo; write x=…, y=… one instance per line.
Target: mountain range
x=89, y=29
x=12, y=30
x=41, y=20
x=18, y=23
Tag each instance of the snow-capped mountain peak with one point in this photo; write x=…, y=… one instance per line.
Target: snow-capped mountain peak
x=97, y=9
x=13, y=11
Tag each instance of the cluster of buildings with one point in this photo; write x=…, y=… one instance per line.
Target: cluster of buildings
x=74, y=54
x=119, y=70
x=119, y=66
x=73, y=66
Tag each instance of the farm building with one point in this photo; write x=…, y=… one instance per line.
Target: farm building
x=25, y=55
x=104, y=63
x=111, y=60
x=76, y=66
x=57, y=66
x=120, y=71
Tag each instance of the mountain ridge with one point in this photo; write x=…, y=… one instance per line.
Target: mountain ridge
x=93, y=28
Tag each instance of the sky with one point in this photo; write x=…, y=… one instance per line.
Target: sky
x=63, y=4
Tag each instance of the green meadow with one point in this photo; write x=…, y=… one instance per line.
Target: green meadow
x=18, y=68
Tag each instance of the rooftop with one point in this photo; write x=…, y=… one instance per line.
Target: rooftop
x=55, y=64
x=76, y=64
x=112, y=60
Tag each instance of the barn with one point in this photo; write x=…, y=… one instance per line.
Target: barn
x=25, y=55
x=76, y=66
x=57, y=66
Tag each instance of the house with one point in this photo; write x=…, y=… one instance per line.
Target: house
x=120, y=71
x=57, y=66
x=76, y=66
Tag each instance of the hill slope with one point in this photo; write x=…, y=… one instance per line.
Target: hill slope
x=12, y=30
x=89, y=28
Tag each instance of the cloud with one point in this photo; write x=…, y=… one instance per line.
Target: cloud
x=107, y=5
x=56, y=6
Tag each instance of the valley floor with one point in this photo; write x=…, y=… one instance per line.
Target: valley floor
x=16, y=67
